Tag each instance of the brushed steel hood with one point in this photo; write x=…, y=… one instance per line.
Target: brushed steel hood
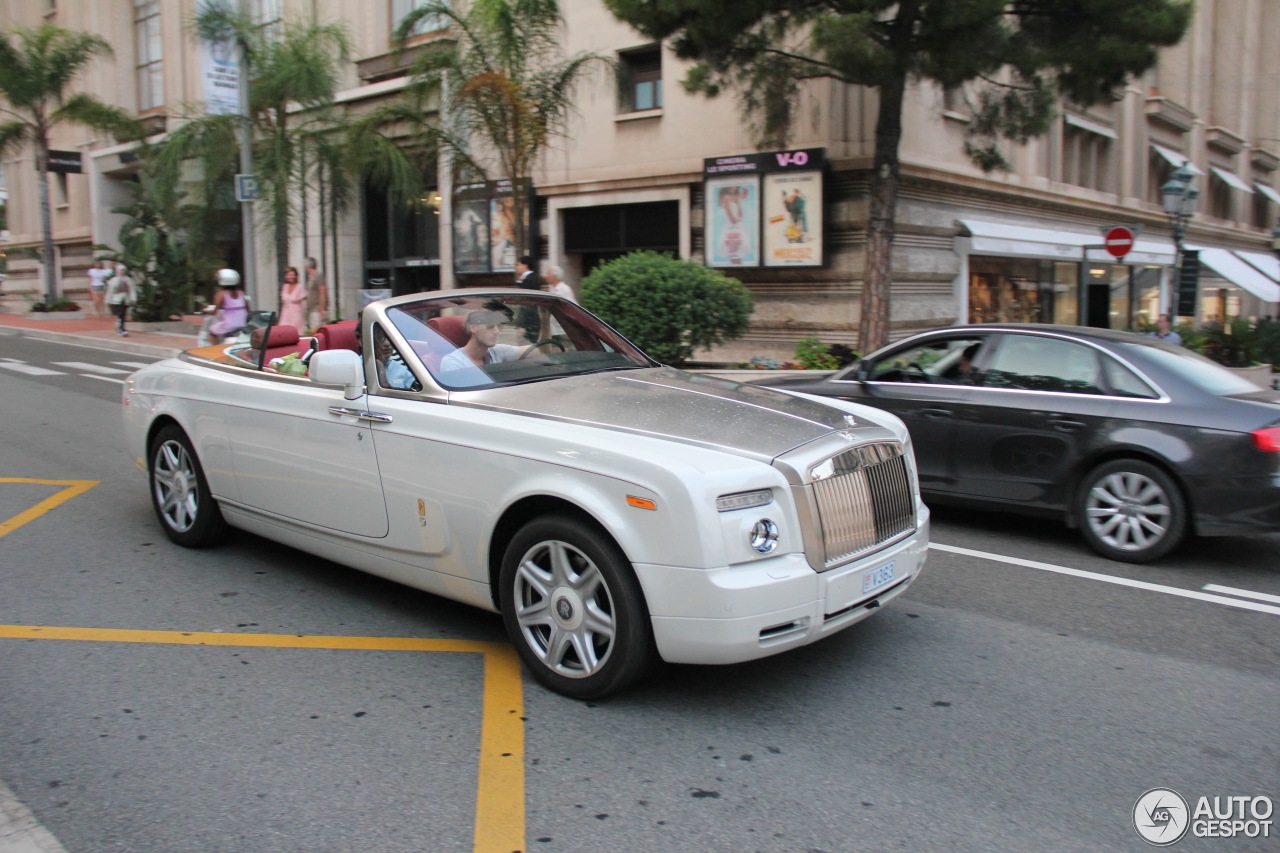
x=669, y=403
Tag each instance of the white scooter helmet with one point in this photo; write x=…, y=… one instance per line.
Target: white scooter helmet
x=228, y=278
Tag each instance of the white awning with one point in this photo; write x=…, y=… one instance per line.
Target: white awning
x=1267, y=191
x=1243, y=275
x=998, y=238
x=1176, y=158
x=1091, y=126
x=1230, y=179
x=1267, y=264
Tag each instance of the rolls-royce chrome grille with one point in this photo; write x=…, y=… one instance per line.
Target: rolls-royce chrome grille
x=864, y=500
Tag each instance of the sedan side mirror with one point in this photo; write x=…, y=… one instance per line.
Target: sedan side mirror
x=338, y=367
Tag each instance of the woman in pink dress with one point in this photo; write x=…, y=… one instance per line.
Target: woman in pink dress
x=293, y=301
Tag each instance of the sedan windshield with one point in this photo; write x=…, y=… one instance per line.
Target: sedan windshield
x=468, y=342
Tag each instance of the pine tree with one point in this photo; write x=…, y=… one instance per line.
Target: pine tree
x=1019, y=56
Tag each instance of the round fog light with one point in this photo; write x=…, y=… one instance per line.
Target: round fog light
x=764, y=536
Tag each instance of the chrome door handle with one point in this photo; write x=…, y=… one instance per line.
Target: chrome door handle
x=361, y=414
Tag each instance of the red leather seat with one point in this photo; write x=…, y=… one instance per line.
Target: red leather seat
x=340, y=335
x=445, y=335
x=452, y=329
x=283, y=340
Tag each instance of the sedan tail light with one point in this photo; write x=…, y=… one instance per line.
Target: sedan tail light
x=1267, y=438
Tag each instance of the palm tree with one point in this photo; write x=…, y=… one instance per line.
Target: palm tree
x=296, y=67
x=37, y=67
x=503, y=85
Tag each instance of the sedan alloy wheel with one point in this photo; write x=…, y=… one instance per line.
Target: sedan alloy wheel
x=1132, y=511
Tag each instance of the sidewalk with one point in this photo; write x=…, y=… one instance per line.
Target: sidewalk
x=156, y=339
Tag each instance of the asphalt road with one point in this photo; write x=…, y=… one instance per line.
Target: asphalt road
x=998, y=706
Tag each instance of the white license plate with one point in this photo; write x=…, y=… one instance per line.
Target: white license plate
x=877, y=577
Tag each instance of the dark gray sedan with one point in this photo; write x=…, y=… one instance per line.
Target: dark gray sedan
x=1134, y=441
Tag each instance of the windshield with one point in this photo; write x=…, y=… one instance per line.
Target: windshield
x=468, y=342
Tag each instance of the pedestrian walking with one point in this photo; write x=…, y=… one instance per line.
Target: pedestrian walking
x=527, y=318
x=554, y=283
x=98, y=275
x=121, y=296
x=317, y=295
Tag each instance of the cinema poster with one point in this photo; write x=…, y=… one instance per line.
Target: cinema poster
x=471, y=235
x=793, y=204
x=733, y=221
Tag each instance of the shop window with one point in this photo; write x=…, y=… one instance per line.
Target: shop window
x=1146, y=297
x=1003, y=290
x=149, y=50
x=1066, y=289
x=1086, y=158
x=640, y=79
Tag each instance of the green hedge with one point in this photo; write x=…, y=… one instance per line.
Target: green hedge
x=668, y=307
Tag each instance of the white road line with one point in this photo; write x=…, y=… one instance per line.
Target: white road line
x=20, y=832
x=1244, y=593
x=30, y=369
x=136, y=365
x=103, y=379
x=89, y=368
x=1094, y=576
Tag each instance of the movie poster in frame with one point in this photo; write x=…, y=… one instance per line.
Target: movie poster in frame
x=471, y=235
x=733, y=221
x=502, y=233
x=793, y=205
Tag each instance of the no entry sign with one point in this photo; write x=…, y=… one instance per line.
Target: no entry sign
x=1119, y=241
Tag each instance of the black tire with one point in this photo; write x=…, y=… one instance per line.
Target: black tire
x=1131, y=511
x=574, y=609
x=179, y=493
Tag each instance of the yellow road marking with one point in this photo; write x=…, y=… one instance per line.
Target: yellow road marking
x=73, y=488
x=500, y=815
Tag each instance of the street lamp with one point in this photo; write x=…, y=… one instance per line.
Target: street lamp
x=1179, y=200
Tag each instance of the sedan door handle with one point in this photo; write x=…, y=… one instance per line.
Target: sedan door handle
x=361, y=414
x=1065, y=424
x=937, y=414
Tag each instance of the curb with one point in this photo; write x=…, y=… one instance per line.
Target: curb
x=117, y=345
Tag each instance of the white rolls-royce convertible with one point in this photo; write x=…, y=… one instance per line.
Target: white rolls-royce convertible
x=508, y=449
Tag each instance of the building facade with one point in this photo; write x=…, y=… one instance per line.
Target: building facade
x=647, y=166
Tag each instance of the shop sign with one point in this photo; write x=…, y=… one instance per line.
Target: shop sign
x=1188, y=283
